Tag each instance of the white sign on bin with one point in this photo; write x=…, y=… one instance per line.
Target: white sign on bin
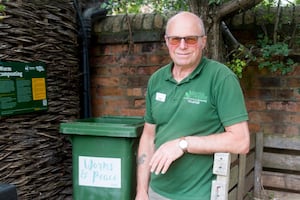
x=99, y=172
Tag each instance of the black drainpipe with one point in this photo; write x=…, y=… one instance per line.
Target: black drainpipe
x=85, y=22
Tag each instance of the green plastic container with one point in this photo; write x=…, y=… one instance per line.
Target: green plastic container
x=104, y=156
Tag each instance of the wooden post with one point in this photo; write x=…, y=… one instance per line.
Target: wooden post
x=241, y=178
x=258, y=164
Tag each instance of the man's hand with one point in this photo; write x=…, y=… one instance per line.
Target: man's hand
x=164, y=156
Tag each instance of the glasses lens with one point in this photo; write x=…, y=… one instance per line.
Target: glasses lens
x=174, y=40
x=191, y=39
x=188, y=40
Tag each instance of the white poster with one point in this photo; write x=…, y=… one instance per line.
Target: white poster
x=99, y=172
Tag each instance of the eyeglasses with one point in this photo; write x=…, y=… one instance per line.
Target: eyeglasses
x=190, y=40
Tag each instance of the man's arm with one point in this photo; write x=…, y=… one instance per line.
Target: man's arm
x=235, y=139
x=145, y=152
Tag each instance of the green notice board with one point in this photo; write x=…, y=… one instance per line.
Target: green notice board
x=22, y=87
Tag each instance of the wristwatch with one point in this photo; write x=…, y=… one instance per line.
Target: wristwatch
x=183, y=144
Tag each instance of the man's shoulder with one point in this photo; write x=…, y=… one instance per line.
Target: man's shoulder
x=163, y=71
x=217, y=68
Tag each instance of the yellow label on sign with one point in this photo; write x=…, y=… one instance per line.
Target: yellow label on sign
x=38, y=88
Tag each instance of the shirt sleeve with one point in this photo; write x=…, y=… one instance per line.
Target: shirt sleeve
x=230, y=101
x=148, y=115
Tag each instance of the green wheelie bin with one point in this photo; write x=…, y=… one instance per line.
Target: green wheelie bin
x=104, y=156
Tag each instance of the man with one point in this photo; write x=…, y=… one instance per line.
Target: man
x=194, y=108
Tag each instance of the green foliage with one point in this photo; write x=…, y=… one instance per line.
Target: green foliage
x=2, y=11
x=271, y=54
x=145, y=6
x=2, y=8
x=274, y=56
x=238, y=60
x=237, y=65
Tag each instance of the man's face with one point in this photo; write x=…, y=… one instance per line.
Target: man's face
x=185, y=41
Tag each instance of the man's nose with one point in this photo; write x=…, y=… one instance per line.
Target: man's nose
x=182, y=43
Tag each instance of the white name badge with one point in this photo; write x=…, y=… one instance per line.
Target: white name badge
x=160, y=97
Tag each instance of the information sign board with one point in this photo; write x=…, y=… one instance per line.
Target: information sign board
x=22, y=87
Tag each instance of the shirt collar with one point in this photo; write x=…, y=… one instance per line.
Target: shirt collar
x=196, y=72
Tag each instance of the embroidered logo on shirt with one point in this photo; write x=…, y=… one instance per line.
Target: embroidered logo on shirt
x=160, y=97
x=195, y=97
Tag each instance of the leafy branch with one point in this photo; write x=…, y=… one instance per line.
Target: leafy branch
x=273, y=47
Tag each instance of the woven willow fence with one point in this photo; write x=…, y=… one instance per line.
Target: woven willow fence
x=33, y=154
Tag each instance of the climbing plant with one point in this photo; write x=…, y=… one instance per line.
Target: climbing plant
x=274, y=43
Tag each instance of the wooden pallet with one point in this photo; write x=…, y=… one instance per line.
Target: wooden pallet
x=277, y=167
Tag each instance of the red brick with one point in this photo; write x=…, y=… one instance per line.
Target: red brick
x=285, y=94
x=135, y=81
x=297, y=94
x=101, y=50
x=110, y=91
x=269, y=81
x=106, y=70
x=284, y=106
x=261, y=116
x=128, y=70
x=134, y=92
x=119, y=49
x=293, y=82
x=107, y=81
x=254, y=127
x=139, y=103
x=296, y=71
x=126, y=59
x=95, y=98
x=132, y=112
x=105, y=60
x=116, y=103
x=147, y=70
x=158, y=59
x=154, y=48
x=255, y=104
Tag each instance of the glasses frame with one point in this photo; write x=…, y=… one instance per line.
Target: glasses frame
x=184, y=38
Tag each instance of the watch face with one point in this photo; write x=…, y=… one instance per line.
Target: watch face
x=183, y=144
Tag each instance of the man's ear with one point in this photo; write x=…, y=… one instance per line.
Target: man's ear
x=166, y=41
x=203, y=41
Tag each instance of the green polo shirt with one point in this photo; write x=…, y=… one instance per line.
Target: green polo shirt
x=205, y=102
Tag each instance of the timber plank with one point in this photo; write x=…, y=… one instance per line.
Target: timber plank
x=277, y=195
x=258, y=164
x=281, y=142
x=241, y=178
x=234, y=173
x=281, y=161
x=250, y=162
x=281, y=180
x=249, y=184
x=232, y=194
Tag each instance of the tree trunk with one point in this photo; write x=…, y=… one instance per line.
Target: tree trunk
x=212, y=16
x=202, y=9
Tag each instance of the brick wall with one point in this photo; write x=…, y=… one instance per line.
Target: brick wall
x=273, y=101
x=122, y=60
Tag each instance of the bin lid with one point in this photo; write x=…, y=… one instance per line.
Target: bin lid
x=112, y=126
